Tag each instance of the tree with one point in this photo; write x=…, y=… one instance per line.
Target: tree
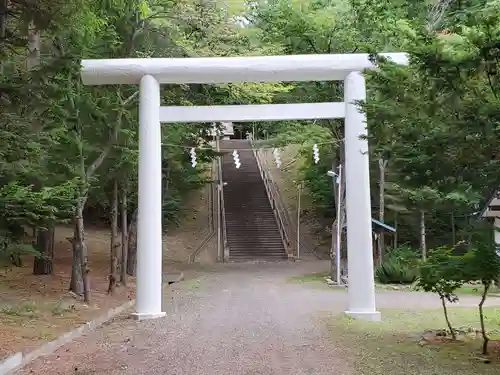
x=443, y=103
x=438, y=275
x=22, y=206
x=482, y=263
x=303, y=27
x=422, y=119
x=61, y=137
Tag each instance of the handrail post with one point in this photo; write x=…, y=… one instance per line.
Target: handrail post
x=220, y=245
x=222, y=210
x=299, y=188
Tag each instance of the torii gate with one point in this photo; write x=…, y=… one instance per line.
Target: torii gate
x=151, y=72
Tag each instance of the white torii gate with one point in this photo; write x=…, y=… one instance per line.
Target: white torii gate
x=150, y=73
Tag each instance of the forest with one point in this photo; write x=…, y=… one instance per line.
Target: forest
x=69, y=152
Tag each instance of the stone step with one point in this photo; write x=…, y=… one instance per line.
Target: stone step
x=251, y=227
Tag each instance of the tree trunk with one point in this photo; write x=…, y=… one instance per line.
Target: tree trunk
x=45, y=238
x=80, y=270
x=447, y=318
x=481, y=318
x=382, y=164
x=132, y=246
x=438, y=11
x=43, y=264
x=423, y=245
x=339, y=221
x=113, y=251
x=3, y=19
x=343, y=233
x=166, y=178
x=33, y=59
x=124, y=229
x=333, y=248
x=80, y=278
x=396, y=230
x=76, y=282
x=343, y=238
x=4, y=7
x=333, y=252
x=453, y=233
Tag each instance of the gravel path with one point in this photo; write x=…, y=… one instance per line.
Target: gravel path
x=238, y=319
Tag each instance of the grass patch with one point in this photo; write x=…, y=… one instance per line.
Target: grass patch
x=312, y=278
x=419, y=321
x=391, y=347
x=25, y=309
x=32, y=310
x=478, y=290
x=398, y=287
x=317, y=280
x=187, y=285
x=192, y=284
x=62, y=307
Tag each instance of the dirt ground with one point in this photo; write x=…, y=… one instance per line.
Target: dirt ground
x=37, y=309
x=179, y=243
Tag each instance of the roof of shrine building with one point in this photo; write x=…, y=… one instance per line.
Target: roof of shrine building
x=492, y=205
x=226, y=128
x=378, y=226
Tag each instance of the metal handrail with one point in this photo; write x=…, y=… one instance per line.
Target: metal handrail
x=211, y=223
x=274, y=189
x=279, y=203
x=221, y=205
x=289, y=223
x=223, y=220
x=272, y=199
x=281, y=219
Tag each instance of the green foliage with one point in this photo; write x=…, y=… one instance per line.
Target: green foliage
x=394, y=272
x=482, y=262
x=423, y=119
x=400, y=266
x=434, y=122
x=442, y=274
x=405, y=255
x=62, y=144
x=21, y=205
x=427, y=118
x=12, y=247
x=53, y=129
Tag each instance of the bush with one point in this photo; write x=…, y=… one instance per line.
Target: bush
x=404, y=255
x=11, y=247
x=399, y=267
x=395, y=272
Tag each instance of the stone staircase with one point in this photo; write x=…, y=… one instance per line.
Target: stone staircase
x=252, y=231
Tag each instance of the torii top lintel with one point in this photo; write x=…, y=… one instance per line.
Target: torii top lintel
x=286, y=68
